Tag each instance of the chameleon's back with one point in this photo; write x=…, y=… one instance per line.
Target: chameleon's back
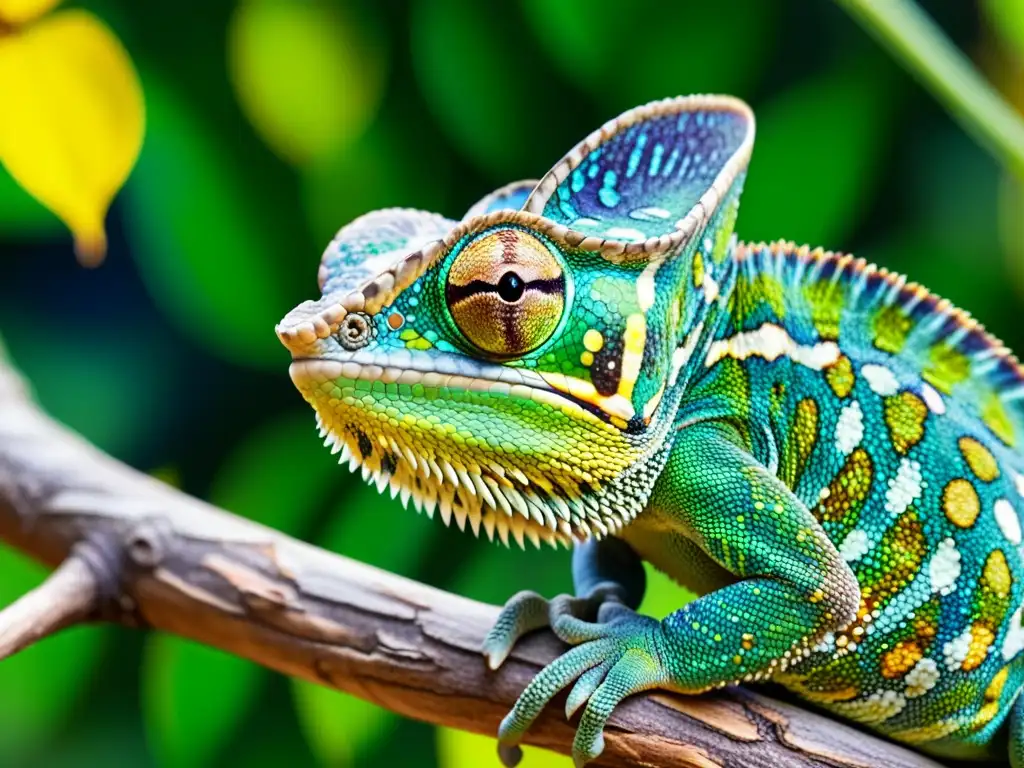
x=899, y=423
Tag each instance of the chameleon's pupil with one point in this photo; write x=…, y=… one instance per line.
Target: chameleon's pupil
x=511, y=287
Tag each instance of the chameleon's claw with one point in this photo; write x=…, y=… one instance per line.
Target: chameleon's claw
x=524, y=612
x=527, y=611
x=509, y=756
x=611, y=661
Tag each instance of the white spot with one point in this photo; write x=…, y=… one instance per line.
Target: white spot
x=1018, y=480
x=944, y=567
x=827, y=644
x=650, y=214
x=849, y=428
x=1013, y=643
x=855, y=545
x=955, y=651
x=933, y=399
x=1007, y=520
x=710, y=287
x=881, y=380
x=585, y=222
x=772, y=342
x=905, y=488
x=876, y=708
x=683, y=353
x=645, y=285
x=922, y=678
x=626, y=233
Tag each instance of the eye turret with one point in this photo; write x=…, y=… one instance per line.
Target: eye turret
x=506, y=292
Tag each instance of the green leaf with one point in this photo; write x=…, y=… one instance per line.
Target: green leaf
x=1006, y=18
x=203, y=249
x=457, y=749
x=43, y=684
x=817, y=158
x=372, y=528
x=629, y=55
x=383, y=169
x=481, y=85
x=309, y=75
x=662, y=596
x=280, y=475
x=21, y=215
x=108, y=386
x=194, y=697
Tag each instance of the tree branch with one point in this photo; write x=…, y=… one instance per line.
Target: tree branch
x=141, y=553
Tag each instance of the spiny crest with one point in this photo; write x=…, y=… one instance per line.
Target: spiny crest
x=862, y=306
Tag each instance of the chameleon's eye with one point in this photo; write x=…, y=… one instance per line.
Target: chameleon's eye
x=506, y=292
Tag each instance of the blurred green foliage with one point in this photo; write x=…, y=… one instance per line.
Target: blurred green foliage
x=273, y=122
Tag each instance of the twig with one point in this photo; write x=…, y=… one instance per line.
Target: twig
x=174, y=563
x=65, y=598
x=928, y=54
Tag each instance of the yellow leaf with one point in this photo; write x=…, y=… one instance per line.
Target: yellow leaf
x=73, y=119
x=15, y=12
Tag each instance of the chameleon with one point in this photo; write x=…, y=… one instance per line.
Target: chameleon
x=828, y=455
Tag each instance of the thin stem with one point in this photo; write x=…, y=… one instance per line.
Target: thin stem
x=930, y=56
x=68, y=595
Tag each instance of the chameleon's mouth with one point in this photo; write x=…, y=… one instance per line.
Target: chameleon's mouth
x=536, y=472
x=448, y=372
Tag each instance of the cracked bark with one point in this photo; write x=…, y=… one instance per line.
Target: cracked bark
x=140, y=553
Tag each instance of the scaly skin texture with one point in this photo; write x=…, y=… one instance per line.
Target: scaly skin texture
x=830, y=456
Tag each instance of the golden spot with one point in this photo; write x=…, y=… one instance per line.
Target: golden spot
x=891, y=327
x=981, y=639
x=986, y=713
x=848, y=490
x=979, y=459
x=839, y=376
x=593, y=340
x=901, y=659
x=960, y=502
x=994, y=415
x=995, y=688
x=749, y=641
x=803, y=434
x=996, y=574
x=587, y=358
x=905, y=414
x=829, y=696
x=395, y=321
x=947, y=368
x=927, y=733
x=698, y=270
x=633, y=341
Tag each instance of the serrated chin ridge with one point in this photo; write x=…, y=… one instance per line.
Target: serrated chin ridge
x=500, y=501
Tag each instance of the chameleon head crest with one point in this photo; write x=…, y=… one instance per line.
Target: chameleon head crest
x=515, y=368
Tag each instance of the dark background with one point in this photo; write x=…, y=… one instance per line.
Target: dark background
x=271, y=124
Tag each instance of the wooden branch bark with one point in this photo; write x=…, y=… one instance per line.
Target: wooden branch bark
x=144, y=554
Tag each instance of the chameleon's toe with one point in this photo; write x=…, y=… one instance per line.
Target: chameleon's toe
x=523, y=613
x=527, y=611
x=611, y=662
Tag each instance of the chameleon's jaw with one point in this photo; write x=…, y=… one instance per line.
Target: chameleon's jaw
x=432, y=438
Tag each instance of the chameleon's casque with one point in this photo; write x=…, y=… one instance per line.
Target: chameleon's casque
x=828, y=454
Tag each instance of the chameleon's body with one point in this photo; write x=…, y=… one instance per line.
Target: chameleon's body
x=829, y=455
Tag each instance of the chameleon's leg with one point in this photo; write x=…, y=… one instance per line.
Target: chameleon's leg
x=604, y=573
x=1016, y=742
x=793, y=588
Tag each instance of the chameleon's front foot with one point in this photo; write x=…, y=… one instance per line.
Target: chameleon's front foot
x=527, y=611
x=614, y=658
